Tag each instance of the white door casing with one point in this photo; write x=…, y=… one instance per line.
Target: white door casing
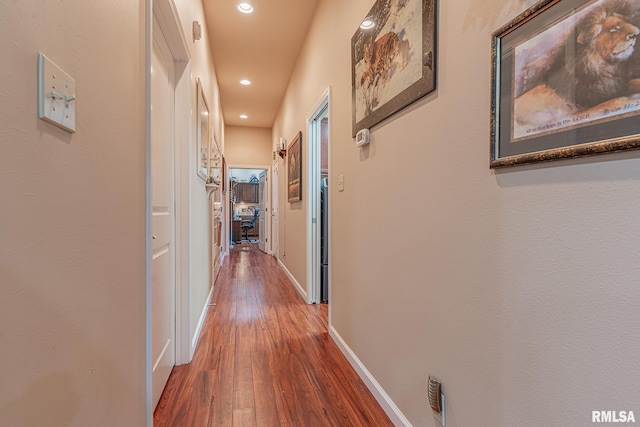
x=262, y=203
x=162, y=215
x=274, y=209
x=314, y=121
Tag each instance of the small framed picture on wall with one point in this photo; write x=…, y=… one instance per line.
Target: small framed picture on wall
x=294, y=169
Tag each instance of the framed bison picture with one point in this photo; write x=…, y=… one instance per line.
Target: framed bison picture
x=566, y=82
x=393, y=59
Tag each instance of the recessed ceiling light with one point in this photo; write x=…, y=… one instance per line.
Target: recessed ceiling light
x=245, y=82
x=245, y=8
x=244, y=116
x=367, y=24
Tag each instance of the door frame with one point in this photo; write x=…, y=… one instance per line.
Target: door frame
x=166, y=14
x=321, y=109
x=267, y=201
x=275, y=237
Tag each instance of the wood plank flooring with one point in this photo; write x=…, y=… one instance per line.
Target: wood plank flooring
x=265, y=359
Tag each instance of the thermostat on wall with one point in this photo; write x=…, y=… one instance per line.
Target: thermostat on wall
x=363, y=137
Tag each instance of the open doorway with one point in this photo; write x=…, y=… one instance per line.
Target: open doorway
x=318, y=224
x=248, y=204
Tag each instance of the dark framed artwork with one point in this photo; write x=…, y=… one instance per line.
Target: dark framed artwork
x=224, y=175
x=294, y=169
x=393, y=59
x=566, y=82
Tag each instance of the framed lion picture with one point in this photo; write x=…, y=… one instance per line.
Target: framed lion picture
x=566, y=82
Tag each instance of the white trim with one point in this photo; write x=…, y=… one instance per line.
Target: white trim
x=299, y=288
x=148, y=362
x=203, y=315
x=392, y=411
x=164, y=350
x=183, y=130
x=226, y=215
x=229, y=218
x=266, y=205
x=167, y=14
x=313, y=192
x=329, y=205
x=275, y=237
x=248, y=167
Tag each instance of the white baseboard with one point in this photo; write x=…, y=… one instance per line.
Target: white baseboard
x=376, y=389
x=196, y=335
x=295, y=282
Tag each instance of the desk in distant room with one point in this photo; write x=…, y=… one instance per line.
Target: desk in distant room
x=235, y=229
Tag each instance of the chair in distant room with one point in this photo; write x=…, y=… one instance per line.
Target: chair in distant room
x=248, y=224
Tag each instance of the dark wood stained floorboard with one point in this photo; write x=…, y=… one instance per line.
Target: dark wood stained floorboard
x=265, y=359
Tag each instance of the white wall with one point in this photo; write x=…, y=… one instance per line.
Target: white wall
x=517, y=288
x=72, y=218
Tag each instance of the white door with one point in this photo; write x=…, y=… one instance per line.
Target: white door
x=162, y=215
x=274, y=209
x=262, y=231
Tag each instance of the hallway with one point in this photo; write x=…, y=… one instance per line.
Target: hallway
x=265, y=359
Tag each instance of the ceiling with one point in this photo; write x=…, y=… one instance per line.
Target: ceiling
x=262, y=47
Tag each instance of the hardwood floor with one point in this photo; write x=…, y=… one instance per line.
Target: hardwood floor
x=265, y=359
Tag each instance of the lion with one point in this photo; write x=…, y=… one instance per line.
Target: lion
x=598, y=71
x=590, y=67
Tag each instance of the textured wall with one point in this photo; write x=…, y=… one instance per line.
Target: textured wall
x=72, y=218
x=248, y=146
x=517, y=288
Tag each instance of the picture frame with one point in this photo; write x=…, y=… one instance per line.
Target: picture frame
x=554, y=94
x=202, y=133
x=393, y=60
x=224, y=175
x=294, y=169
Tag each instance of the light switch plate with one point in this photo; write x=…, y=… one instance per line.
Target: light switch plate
x=340, y=182
x=56, y=95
